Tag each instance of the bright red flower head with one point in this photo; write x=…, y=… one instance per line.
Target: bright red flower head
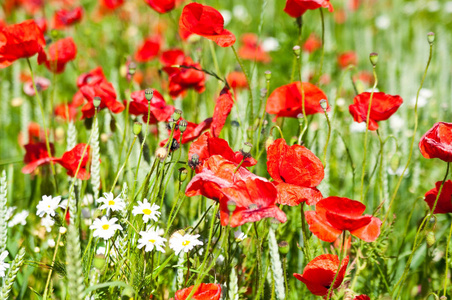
x=383, y=106
x=254, y=196
x=36, y=155
x=60, y=53
x=333, y=215
x=35, y=135
x=437, y=142
x=100, y=87
x=205, y=291
x=319, y=273
x=64, y=18
x=287, y=100
x=160, y=111
x=252, y=50
x=21, y=40
x=296, y=8
x=172, y=57
x=192, y=132
x=207, y=145
x=296, y=172
x=42, y=24
x=346, y=59
x=237, y=80
x=362, y=297
x=111, y=4
x=205, y=21
x=161, y=6
x=149, y=49
x=66, y=111
x=71, y=160
x=312, y=43
x=222, y=110
x=84, y=79
x=444, y=205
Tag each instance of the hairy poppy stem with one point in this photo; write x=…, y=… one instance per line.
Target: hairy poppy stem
x=416, y=121
x=323, y=46
x=305, y=234
x=306, y=122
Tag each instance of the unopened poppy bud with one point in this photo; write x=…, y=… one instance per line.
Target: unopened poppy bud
x=183, y=126
x=430, y=37
x=297, y=50
x=54, y=34
x=232, y=206
x=137, y=128
x=323, y=104
x=149, y=94
x=247, y=147
x=183, y=174
x=112, y=125
x=132, y=68
x=176, y=115
x=268, y=142
x=284, y=247
x=430, y=238
x=373, y=58
x=97, y=101
x=268, y=75
x=274, y=223
x=161, y=153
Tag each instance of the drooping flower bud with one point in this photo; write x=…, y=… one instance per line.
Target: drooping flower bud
x=323, y=105
x=183, y=172
x=268, y=142
x=161, y=153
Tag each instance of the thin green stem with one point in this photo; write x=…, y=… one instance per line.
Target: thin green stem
x=124, y=164
x=323, y=46
x=325, y=148
x=446, y=280
x=341, y=254
x=262, y=118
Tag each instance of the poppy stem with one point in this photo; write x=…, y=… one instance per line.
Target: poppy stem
x=416, y=121
x=363, y=172
x=124, y=164
x=262, y=118
x=341, y=254
x=323, y=46
x=325, y=148
x=305, y=234
x=306, y=122
x=214, y=57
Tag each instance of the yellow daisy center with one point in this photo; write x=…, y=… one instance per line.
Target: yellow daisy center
x=147, y=211
x=105, y=226
x=152, y=241
x=111, y=202
x=185, y=243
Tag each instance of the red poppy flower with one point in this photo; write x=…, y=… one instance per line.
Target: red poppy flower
x=20, y=41
x=42, y=24
x=222, y=110
x=100, y=87
x=346, y=59
x=41, y=83
x=66, y=111
x=149, y=49
x=237, y=80
x=207, y=145
x=333, y=215
x=319, y=273
x=296, y=172
x=205, y=291
x=437, y=142
x=252, y=50
x=112, y=4
x=296, y=8
x=362, y=297
x=35, y=135
x=160, y=111
x=254, y=196
x=287, y=101
x=182, y=79
x=383, y=106
x=60, y=53
x=192, y=132
x=36, y=155
x=64, y=18
x=444, y=205
x=161, y=6
x=84, y=79
x=312, y=43
x=71, y=159
x=205, y=21
x=172, y=57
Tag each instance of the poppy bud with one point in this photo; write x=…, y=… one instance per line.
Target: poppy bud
x=97, y=101
x=430, y=37
x=182, y=174
x=149, y=94
x=161, y=153
x=443, y=298
x=300, y=118
x=373, y=58
x=268, y=142
x=430, y=238
x=136, y=128
x=183, y=126
x=132, y=68
x=247, y=147
x=284, y=247
x=232, y=206
x=274, y=223
x=297, y=50
x=268, y=75
x=54, y=34
x=176, y=115
x=323, y=104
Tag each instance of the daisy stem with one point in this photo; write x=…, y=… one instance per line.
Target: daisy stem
x=341, y=254
x=363, y=173
x=124, y=164
x=49, y=151
x=416, y=121
x=323, y=45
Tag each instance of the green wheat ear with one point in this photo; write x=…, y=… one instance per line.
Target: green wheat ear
x=95, y=161
x=275, y=261
x=3, y=199
x=11, y=276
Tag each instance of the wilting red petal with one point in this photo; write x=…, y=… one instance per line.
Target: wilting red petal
x=444, y=204
x=207, y=22
x=63, y=17
x=60, y=53
x=205, y=291
x=71, y=160
x=296, y=8
x=437, y=142
x=149, y=49
x=161, y=6
x=222, y=110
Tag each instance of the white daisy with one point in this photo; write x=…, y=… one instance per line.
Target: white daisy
x=47, y=205
x=239, y=235
x=186, y=242
x=10, y=211
x=19, y=218
x=105, y=228
x=151, y=239
x=47, y=222
x=110, y=202
x=3, y=265
x=147, y=210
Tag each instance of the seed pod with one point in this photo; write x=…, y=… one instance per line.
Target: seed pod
x=149, y=94
x=137, y=128
x=373, y=58
x=284, y=248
